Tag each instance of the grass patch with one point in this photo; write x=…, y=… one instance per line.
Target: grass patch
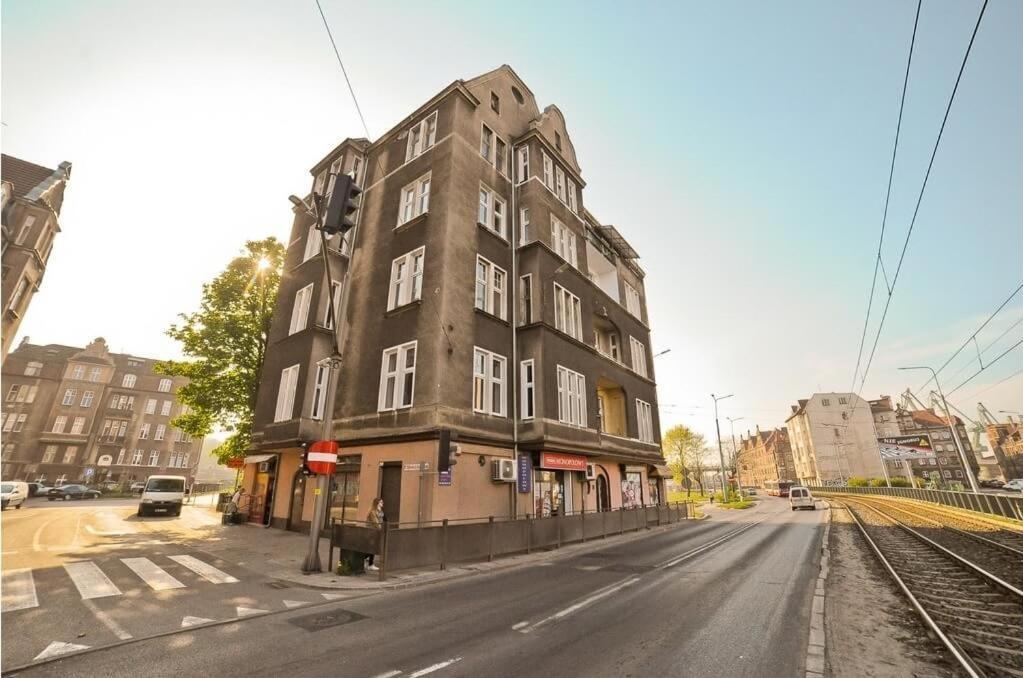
x=737, y=504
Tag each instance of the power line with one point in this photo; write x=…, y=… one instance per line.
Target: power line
x=981, y=352
x=1000, y=356
x=996, y=384
x=344, y=71
x=884, y=219
x=920, y=197
x=973, y=336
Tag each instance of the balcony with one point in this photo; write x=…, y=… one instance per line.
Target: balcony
x=602, y=270
x=611, y=404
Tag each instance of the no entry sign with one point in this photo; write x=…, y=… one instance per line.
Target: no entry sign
x=322, y=457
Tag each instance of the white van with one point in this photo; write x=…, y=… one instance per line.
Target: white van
x=13, y=493
x=800, y=498
x=162, y=494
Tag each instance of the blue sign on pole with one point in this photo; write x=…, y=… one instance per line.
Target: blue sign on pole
x=525, y=480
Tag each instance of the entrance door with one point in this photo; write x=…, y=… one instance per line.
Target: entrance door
x=297, y=501
x=603, y=495
x=390, y=492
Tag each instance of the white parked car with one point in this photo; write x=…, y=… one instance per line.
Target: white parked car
x=13, y=493
x=800, y=498
x=162, y=494
x=1014, y=485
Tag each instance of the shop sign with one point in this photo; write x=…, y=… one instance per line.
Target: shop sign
x=563, y=462
x=525, y=479
x=237, y=462
x=444, y=478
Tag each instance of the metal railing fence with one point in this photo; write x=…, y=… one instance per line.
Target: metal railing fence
x=982, y=502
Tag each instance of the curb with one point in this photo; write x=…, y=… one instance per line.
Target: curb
x=815, y=648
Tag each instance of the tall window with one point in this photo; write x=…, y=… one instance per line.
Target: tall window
x=136, y=458
x=487, y=144
x=638, y=356
x=397, y=377
x=59, y=423
x=300, y=311
x=644, y=415
x=69, y=397
x=312, y=243
x=567, y=312
x=70, y=452
x=548, y=171
x=95, y=374
x=120, y=456
x=406, y=279
x=113, y=429
x=33, y=369
x=144, y=431
x=415, y=200
x=165, y=409
x=571, y=397
x=49, y=454
x=526, y=299
x=501, y=157
x=522, y=163
x=572, y=201
x=87, y=398
x=165, y=386
x=320, y=391
x=632, y=304
x=78, y=425
x=563, y=241
x=128, y=381
x=19, y=292
x=488, y=382
x=161, y=431
x=490, y=288
x=527, y=387
x=151, y=406
x=286, y=393
x=493, y=211
x=525, y=232
x=559, y=184
x=78, y=372
x=26, y=227
x=421, y=136
x=335, y=298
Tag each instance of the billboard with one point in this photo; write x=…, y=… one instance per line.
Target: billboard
x=906, y=447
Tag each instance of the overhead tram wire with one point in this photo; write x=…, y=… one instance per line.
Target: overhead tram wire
x=974, y=335
x=884, y=219
x=344, y=71
x=996, y=384
x=923, y=188
x=981, y=352
x=982, y=369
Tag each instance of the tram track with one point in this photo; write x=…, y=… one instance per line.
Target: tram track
x=976, y=614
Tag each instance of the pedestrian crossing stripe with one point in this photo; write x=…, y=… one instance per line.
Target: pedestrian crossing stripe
x=90, y=580
x=19, y=591
x=152, y=574
x=204, y=570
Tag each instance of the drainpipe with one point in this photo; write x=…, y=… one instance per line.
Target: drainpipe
x=513, y=237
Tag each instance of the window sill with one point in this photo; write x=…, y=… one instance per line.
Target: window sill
x=491, y=316
x=412, y=222
x=492, y=232
x=394, y=410
x=398, y=310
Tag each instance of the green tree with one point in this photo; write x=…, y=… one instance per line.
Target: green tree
x=224, y=343
x=682, y=448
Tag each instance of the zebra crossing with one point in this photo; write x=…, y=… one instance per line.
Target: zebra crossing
x=19, y=586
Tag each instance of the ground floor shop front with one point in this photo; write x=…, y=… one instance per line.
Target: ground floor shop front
x=405, y=477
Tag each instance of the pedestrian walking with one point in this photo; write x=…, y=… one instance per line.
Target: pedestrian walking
x=375, y=519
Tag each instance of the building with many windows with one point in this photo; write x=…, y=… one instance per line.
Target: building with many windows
x=833, y=439
x=480, y=297
x=945, y=466
x=765, y=456
x=32, y=198
x=88, y=415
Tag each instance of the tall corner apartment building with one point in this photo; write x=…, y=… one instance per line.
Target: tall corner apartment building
x=87, y=415
x=832, y=437
x=480, y=297
x=765, y=456
x=32, y=197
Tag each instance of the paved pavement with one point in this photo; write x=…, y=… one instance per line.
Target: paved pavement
x=730, y=594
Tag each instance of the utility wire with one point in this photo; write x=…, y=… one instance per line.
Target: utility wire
x=996, y=384
x=920, y=197
x=344, y=71
x=1000, y=356
x=981, y=352
x=884, y=219
x=973, y=336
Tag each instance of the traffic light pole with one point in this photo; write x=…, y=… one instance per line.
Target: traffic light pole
x=721, y=451
x=312, y=559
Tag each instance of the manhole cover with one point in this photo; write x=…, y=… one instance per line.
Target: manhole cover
x=278, y=585
x=325, y=620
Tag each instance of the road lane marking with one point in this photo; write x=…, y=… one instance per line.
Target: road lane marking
x=389, y=674
x=709, y=545
x=152, y=574
x=90, y=580
x=614, y=588
x=108, y=621
x=37, y=537
x=98, y=533
x=294, y=603
x=204, y=570
x=436, y=667
x=19, y=591
x=58, y=648
x=520, y=625
x=335, y=596
x=194, y=621
x=248, y=611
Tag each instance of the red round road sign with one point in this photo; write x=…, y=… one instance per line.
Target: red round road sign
x=322, y=457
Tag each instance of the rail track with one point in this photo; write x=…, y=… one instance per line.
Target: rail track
x=975, y=613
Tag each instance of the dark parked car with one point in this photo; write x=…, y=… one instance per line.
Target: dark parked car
x=994, y=482
x=72, y=492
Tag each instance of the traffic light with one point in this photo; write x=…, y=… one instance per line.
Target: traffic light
x=448, y=450
x=341, y=206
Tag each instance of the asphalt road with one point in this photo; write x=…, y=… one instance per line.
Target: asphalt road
x=726, y=596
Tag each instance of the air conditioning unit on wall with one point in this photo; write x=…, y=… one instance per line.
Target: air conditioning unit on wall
x=503, y=471
x=591, y=472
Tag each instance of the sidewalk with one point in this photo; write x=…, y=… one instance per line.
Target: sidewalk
x=278, y=554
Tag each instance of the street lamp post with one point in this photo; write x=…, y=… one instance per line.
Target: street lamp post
x=735, y=454
x=721, y=452
x=952, y=427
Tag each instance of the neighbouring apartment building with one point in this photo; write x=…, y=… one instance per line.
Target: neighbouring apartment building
x=480, y=297
x=30, y=213
x=765, y=456
x=832, y=437
x=87, y=415
x=1006, y=441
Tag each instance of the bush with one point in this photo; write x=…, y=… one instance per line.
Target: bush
x=878, y=482
x=900, y=482
x=856, y=481
x=737, y=504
